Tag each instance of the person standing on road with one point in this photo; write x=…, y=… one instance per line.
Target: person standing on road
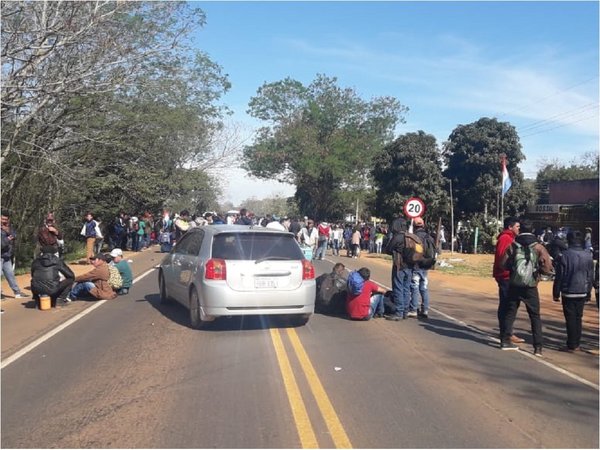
x=526, y=258
x=502, y=275
x=49, y=234
x=367, y=304
x=124, y=269
x=88, y=231
x=324, y=230
x=310, y=236
x=8, y=253
x=401, y=273
x=244, y=218
x=419, y=282
x=573, y=282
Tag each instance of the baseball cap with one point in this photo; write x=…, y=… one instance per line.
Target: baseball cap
x=116, y=252
x=418, y=222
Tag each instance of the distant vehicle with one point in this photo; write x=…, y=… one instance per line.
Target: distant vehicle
x=234, y=270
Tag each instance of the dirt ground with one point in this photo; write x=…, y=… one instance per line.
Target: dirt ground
x=487, y=284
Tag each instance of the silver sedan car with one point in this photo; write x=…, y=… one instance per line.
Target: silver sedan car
x=233, y=270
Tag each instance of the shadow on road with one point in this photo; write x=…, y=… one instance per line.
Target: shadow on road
x=179, y=314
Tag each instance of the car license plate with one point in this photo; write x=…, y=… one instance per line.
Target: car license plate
x=265, y=283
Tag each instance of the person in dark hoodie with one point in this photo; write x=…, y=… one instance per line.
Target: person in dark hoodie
x=525, y=259
x=573, y=282
x=46, y=272
x=401, y=272
x=501, y=275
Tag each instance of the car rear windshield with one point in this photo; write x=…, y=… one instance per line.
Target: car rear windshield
x=252, y=246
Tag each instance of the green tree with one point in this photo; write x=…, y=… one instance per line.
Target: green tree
x=321, y=138
x=473, y=154
x=411, y=166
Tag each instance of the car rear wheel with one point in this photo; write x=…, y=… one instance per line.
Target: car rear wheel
x=299, y=320
x=195, y=312
x=164, y=296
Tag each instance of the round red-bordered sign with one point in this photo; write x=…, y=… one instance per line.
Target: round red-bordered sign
x=414, y=207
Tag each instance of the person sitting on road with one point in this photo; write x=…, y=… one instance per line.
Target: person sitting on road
x=124, y=269
x=93, y=284
x=46, y=272
x=365, y=305
x=331, y=291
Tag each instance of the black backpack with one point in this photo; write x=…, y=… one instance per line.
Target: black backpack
x=331, y=294
x=429, y=252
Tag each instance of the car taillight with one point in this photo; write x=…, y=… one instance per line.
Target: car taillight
x=215, y=269
x=308, y=270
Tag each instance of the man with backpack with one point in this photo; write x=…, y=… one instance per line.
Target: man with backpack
x=406, y=249
x=361, y=303
x=525, y=260
x=331, y=291
x=502, y=275
x=419, y=280
x=573, y=283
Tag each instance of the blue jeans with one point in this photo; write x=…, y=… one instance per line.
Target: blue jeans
x=81, y=289
x=401, y=289
x=419, y=284
x=376, y=306
x=7, y=271
x=321, y=250
x=336, y=247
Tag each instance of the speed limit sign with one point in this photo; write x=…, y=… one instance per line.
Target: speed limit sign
x=414, y=207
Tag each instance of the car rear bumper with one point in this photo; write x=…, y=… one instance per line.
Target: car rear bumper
x=217, y=300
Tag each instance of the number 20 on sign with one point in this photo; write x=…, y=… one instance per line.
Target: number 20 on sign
x=414, y=207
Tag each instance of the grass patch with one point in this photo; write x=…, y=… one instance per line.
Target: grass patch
x=479, y=265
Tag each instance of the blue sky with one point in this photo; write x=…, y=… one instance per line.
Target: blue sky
x=533, y=64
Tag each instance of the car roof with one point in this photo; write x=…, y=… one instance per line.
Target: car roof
x=223, y=228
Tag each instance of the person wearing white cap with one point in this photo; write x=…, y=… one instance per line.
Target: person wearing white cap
x=123, y=267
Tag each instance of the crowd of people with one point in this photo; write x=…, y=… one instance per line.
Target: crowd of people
x=522, y=258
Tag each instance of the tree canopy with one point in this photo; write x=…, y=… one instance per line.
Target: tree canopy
x=320, y=137
x=106, y=106
x=473, y=155
x=411, y=166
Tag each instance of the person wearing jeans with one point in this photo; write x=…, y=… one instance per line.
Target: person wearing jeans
x=369, y=302
x=418, y=286
x=8, y=239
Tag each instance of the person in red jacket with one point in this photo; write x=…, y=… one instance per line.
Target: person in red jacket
x=505, y=239
x=365, y=305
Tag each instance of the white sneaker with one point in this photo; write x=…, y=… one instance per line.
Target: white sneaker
x=21, y=295
x=67, y=300
x=411, y=314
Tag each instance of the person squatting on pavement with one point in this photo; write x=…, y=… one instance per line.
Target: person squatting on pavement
x=367, y=304
x=401, y=272
x=525, y=258
x=46, y=271
x=573, y=283
x=8, y=251
x=124, y=269
x=94, y=283
x=502, y=275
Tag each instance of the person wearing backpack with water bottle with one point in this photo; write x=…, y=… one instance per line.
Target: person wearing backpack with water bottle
x=525, y=259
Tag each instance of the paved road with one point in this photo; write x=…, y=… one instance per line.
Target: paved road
x=132, y=373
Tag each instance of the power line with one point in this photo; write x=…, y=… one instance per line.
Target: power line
x=559, y=126
x=564, y=115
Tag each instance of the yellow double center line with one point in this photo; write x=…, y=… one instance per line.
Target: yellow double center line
x=303, y=424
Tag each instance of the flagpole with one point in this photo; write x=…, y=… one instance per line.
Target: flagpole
x=503, y=162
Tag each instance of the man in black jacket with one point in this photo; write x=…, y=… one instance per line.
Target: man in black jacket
x=573, y=282
x=46, y=272
x=401, y=272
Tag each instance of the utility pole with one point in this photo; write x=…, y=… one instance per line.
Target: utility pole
x=451, y=220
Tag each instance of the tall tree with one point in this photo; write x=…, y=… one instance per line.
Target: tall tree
x=473, y=154
x=320, y=137
x=411, y=166
x=106, y=105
